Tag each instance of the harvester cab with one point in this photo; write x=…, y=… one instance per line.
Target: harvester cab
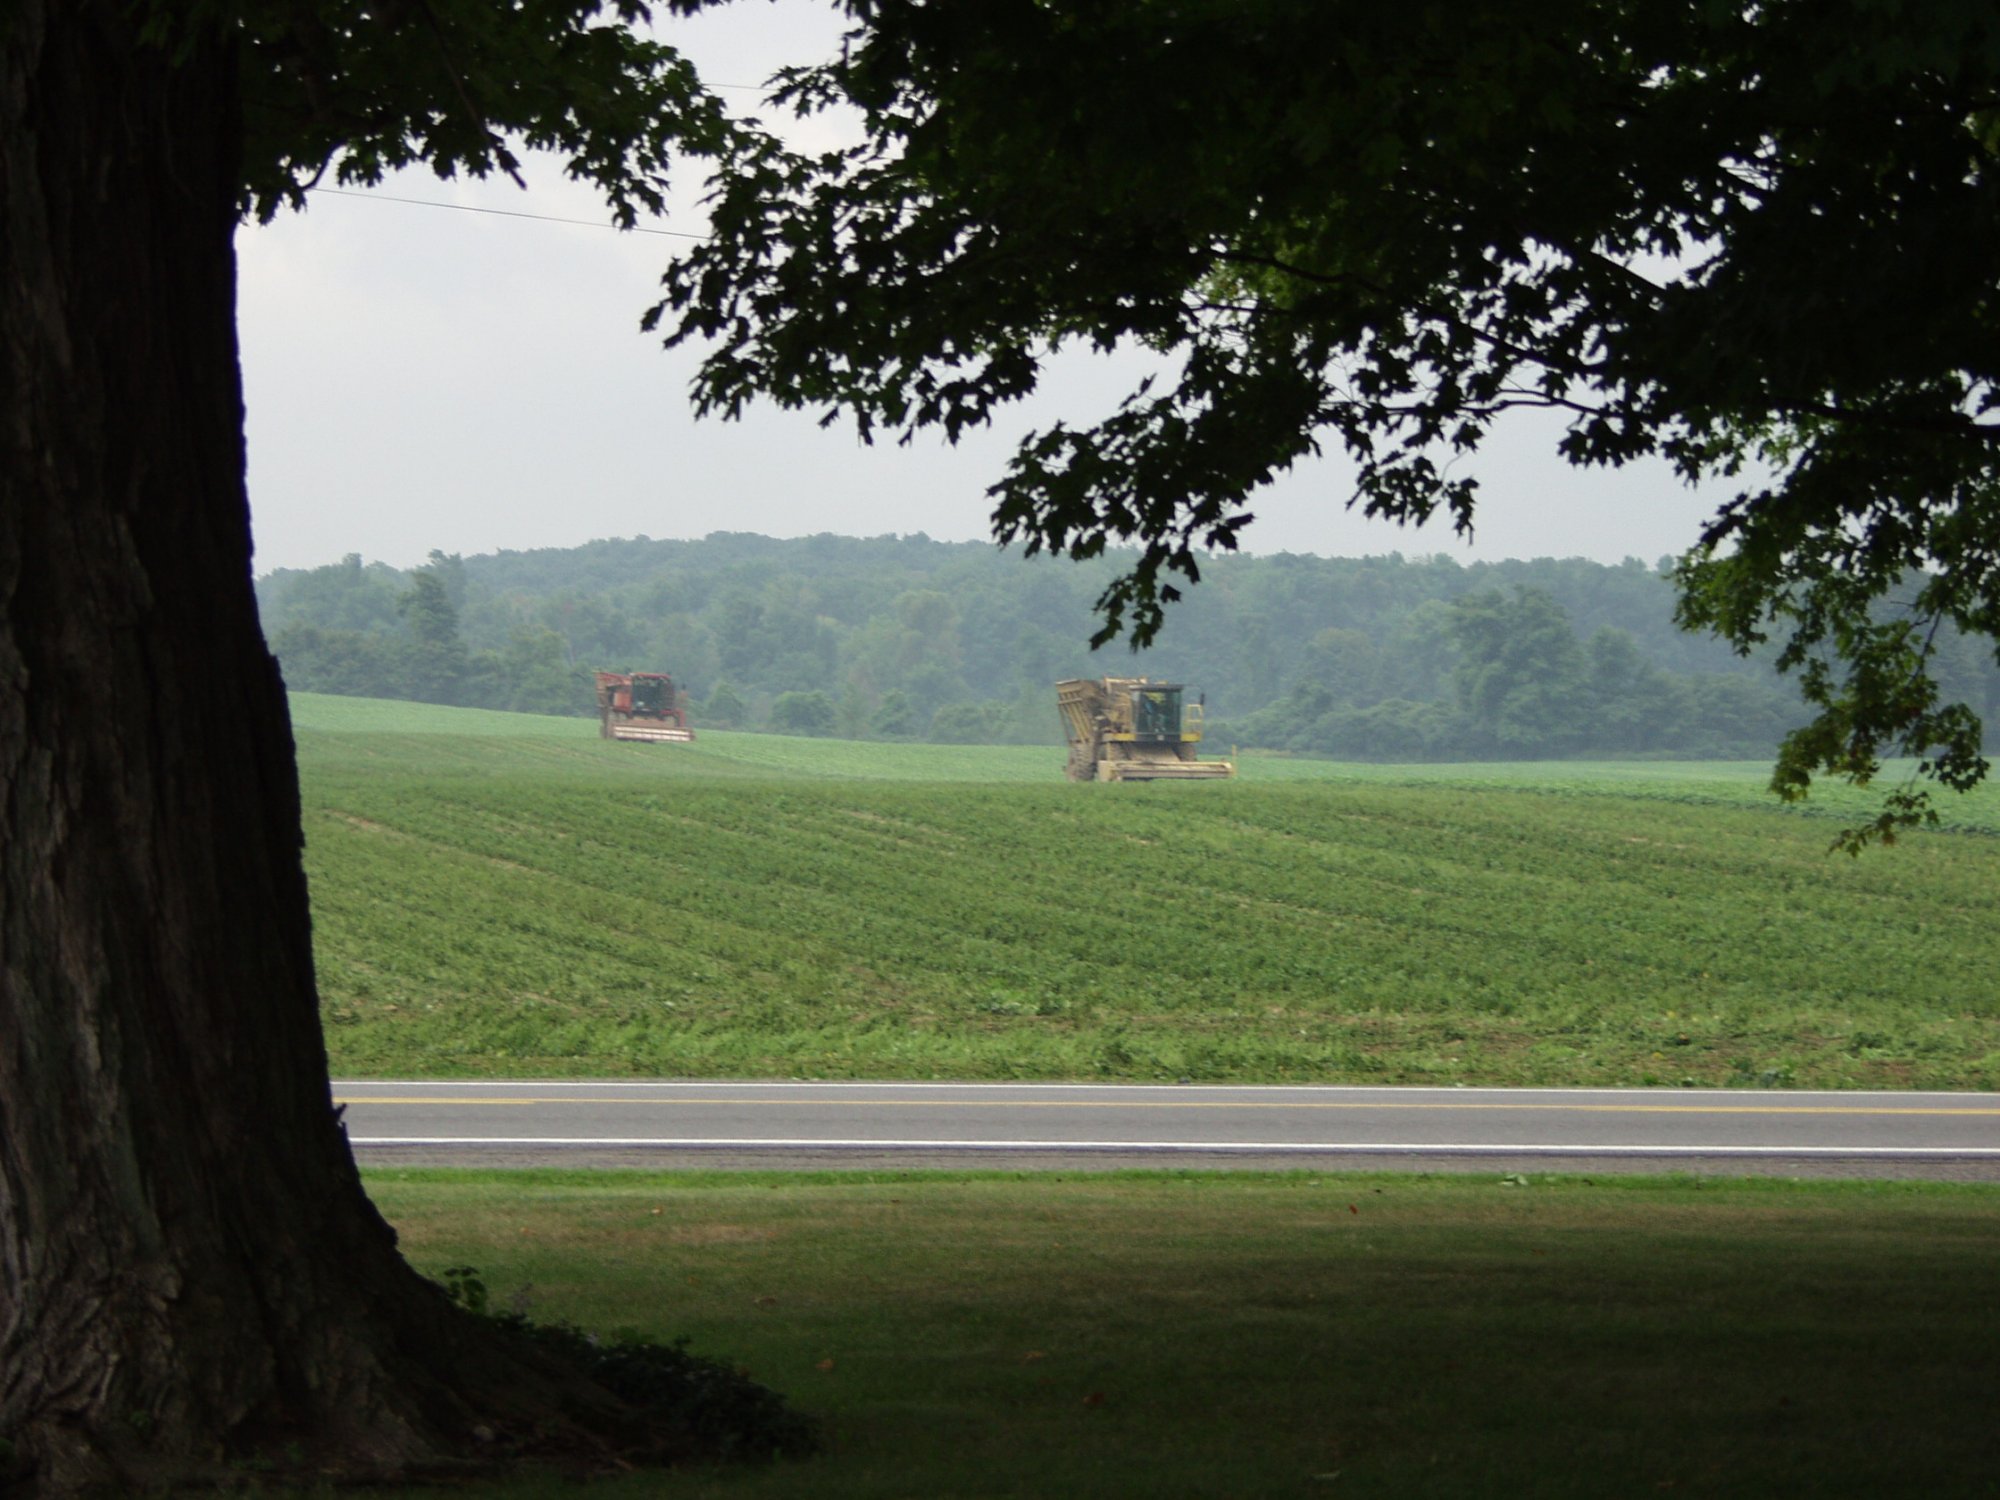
x=1156, y=714
x=643, y=706
x=1133, y=729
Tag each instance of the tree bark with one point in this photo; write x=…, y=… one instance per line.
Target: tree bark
x=190, y=1273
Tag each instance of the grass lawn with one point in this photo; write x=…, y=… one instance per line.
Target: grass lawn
x=1157, y=1335
x=508, y=895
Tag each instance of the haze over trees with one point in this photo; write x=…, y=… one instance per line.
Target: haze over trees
x=1378, y=223
x=1385, y=658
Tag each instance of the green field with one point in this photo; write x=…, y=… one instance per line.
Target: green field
x=1153, y=1336
x=503, y=894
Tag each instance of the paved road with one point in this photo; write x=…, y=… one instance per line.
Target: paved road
x=1079, y=1126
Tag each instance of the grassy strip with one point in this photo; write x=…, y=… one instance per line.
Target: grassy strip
x=542, y=902
x=1156, y=1335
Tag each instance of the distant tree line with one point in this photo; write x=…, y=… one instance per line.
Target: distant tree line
x=1511, y=679
x=905, y=638
x=370, y=631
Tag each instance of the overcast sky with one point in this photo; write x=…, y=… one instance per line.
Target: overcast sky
x=423, y=377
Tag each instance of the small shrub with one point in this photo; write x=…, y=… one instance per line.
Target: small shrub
x=724, y=1414
x=719, y=1412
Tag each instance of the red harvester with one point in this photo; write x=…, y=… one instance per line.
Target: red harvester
x=642, y=706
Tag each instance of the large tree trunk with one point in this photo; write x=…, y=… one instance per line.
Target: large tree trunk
x=190, y=1273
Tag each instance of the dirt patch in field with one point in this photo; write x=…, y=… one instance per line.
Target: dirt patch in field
x=368, y=825
x=720, y=1234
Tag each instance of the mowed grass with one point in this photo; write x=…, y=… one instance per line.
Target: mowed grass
x=508, y=895
x=1236, y=1335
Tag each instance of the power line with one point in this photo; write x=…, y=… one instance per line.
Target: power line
x=505, y=213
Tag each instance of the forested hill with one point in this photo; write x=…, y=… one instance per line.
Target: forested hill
x=1388, y=658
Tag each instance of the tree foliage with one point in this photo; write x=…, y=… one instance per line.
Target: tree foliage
x=1753, y=240
x=356, y=89
x=1520, y=671
x=809, y=713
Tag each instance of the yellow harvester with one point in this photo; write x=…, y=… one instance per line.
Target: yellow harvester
x=1132, y=729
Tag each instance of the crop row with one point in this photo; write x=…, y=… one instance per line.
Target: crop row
x=495, y=907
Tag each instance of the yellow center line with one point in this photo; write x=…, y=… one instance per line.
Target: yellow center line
x=460, y=1101
x=412, y=1099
